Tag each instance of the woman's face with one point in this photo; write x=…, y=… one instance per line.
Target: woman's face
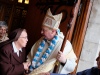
x=2, y=31
x=23, y=39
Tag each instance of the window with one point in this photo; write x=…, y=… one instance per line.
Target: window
x=20, y=1
x=26, y=2
x=23, y=1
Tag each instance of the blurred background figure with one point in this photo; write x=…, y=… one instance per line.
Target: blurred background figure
x=93, y=70
x=3, y=31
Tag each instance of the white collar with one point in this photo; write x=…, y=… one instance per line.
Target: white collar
x=15, y=49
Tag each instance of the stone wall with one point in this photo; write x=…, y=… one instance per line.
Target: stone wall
x=91, y=45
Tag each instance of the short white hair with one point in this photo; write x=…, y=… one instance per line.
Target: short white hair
x=3, y=23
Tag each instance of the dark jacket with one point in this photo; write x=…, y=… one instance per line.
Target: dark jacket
x=10, y=63
x=92, y=71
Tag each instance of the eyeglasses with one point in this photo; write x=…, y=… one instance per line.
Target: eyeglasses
x=24, y=37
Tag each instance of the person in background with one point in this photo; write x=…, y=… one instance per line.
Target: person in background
x=13, y=54
x=3, y=31
x=92, y=71
x=48, y=47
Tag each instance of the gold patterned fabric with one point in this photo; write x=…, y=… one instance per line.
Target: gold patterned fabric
x=46, y=67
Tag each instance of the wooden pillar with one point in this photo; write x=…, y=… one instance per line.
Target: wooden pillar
x=80, y=27
x=2, y=11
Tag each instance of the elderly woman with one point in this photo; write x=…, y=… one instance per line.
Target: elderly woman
x=3, y=31
x=13, y=54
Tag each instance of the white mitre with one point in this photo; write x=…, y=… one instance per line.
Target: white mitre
x=52, y=21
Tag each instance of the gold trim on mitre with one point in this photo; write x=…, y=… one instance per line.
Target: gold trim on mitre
x=52, y=21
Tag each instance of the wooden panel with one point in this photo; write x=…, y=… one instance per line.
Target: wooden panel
x=2, y=11
x=9, y=13
x=36, y=13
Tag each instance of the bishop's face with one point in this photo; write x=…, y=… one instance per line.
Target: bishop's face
x=48, y=33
